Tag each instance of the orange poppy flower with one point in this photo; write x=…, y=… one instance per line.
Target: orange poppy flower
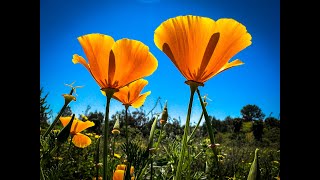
x=130, y=95
x=118, y=175
x=78, y=139
x=201, y=47
x=115, y=64
x=123, y=167
x=120, y=171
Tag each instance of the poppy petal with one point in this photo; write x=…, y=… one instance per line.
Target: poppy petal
x=233, y=38
x=97, y=49
x=79, y=59
x=185, y=38
x=136, y=87
x=133, y=60
x=65, y=120
x=140, y=100
x=81, y=140
x=122, y=95
x=82, y=125
x=234, y=63
x=121, y=167
x=118, y=175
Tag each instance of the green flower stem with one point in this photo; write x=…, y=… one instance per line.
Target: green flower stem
x=113, y=145
x=127, y=176
x=195, y=129
x=150, y=144
x=97, y=158
x=57, y=118
x=210, y=131
x=189, y=164
x=109, y=94
x=160, y=137
x=193, y=87
x=126, y=122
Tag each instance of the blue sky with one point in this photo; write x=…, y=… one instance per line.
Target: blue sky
x=256, y=82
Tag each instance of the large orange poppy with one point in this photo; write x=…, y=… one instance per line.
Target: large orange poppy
x=201, y=47
x=115, y=64
x=78, y=139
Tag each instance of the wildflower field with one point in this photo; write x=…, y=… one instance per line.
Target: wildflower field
x=135, y=144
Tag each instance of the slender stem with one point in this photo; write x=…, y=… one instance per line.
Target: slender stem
x=160, y=137
x=105, y=135
x=194, y=130
x=185, y=134
x=97, y=158
x=57, y=118
x=209, y=126
x=113, y=145
x=126, y=122
x=210, y=131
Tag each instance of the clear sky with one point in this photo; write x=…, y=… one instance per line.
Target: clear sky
x=256, y=82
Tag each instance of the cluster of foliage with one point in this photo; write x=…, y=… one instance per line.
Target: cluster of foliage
x=238, y=138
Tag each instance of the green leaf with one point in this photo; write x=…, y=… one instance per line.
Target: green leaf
x=65, y=132
x=254, y=173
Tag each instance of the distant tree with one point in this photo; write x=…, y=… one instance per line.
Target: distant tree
x=139, y=117
x=98, y=118
x=216, y=124
x=252, y=112
x=173, y=128
x=44, y=110
x=227, y=125
x=257, y=129
x=237, y=125
x=272, y=122
x=67, y=112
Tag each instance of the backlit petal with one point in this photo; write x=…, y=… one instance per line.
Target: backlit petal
x=79, y=59
x=234, y=63
x=121, y=167
x=81, y=140
x=132, y=61
x=97, y=49
x=140, y=100
x=118, y=175
x=122, y=95
x=186, y=37
x=80, y=125
x=65, y=120
x=135, y=88
x=233, y=38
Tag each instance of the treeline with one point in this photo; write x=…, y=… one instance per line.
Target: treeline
x=252, y=126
